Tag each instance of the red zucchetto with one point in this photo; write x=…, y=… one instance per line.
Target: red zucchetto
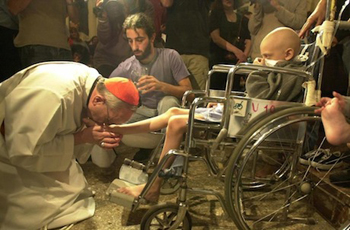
x=124, y=89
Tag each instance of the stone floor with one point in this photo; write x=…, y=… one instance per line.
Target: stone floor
x=206, y=212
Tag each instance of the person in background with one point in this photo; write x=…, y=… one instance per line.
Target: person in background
x=79, y=48
x=187, y=32
x=159, y=73
x=230, y=38
x=271, y=14
x=10, y=61
x=112, y=48
x=51, y=116
x=42, y=32
x=159, y=22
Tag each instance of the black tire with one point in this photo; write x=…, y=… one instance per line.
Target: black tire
x=250, y=197
x=162, y=216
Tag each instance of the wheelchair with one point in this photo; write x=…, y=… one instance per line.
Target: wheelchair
x=254, y=149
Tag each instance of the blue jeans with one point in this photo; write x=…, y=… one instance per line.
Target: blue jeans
x=33, y=54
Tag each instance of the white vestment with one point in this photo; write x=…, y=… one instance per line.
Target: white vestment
x=41, y=182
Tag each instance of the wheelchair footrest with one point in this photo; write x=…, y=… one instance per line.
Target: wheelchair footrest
x=122, y=199
x=133, y=172
x=175, y=170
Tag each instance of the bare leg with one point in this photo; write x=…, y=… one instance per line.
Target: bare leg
x=336, y=128
x=152, y=124
x=176, y=128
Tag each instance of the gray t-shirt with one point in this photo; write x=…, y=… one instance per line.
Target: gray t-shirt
x=167, y=67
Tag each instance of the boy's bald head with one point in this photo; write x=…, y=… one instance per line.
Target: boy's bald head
x=280, y=44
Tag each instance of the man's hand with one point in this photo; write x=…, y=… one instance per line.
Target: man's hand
x=97, y=134
x=240, y=56
x=326, y=101
x=317, y=16
x=148, y=83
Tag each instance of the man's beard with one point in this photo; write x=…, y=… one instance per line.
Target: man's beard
x=145, y=54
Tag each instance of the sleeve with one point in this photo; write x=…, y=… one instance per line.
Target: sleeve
x=245, y=32
x=293, y=18
x=263, y=86
x=178, y=67
x=36, y=137
x=104, y=32
x=214, y=20
x=256, y=21
x=120, y=71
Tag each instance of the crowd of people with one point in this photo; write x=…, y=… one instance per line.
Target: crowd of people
x=74, y=89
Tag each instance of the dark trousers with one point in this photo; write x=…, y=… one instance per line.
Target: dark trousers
x=33, y=54
x=10, y=62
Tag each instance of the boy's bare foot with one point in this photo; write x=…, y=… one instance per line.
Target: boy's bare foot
x=334, y=122
x=135, y=191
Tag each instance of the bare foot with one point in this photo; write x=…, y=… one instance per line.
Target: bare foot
x=135, y=191
x=336, y=128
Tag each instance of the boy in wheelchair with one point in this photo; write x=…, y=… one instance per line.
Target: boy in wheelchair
x=279, y=48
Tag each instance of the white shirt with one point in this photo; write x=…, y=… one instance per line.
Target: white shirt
x=40, y=181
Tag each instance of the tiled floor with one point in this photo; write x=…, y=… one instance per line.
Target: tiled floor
x=205, y=211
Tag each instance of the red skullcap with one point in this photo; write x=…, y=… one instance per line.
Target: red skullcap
x=124, y=89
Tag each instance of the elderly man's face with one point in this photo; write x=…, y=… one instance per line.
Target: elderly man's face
x=102, y=115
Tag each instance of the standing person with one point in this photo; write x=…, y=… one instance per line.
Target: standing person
x=270, y=14
x=42, y=32
x=10, y=62
x=159, y=73
x=112, y=48
x=187, y=31
x=51, y=115
x=159, y=22
x=230, y=38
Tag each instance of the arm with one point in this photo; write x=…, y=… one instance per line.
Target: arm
x=150, y=83
x=17, y=6
x=104, y=32
x=217, y=39
x=293, y=18
x=45, y=149
x=248, y=45
x=256, y=20
x=317, y=16
x=73, y=12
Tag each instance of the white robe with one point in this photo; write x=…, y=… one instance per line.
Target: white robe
x=40, y=181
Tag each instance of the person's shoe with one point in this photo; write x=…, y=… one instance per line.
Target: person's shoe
x=322, y=159
x=328, y=160
x=341, y=178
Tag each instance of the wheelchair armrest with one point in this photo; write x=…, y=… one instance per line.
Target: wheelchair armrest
x=186, y=98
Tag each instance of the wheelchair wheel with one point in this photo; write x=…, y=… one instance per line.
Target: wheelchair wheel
x=266, y=187
x=162, y=217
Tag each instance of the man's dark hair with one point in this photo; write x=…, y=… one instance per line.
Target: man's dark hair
x=139, y=21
